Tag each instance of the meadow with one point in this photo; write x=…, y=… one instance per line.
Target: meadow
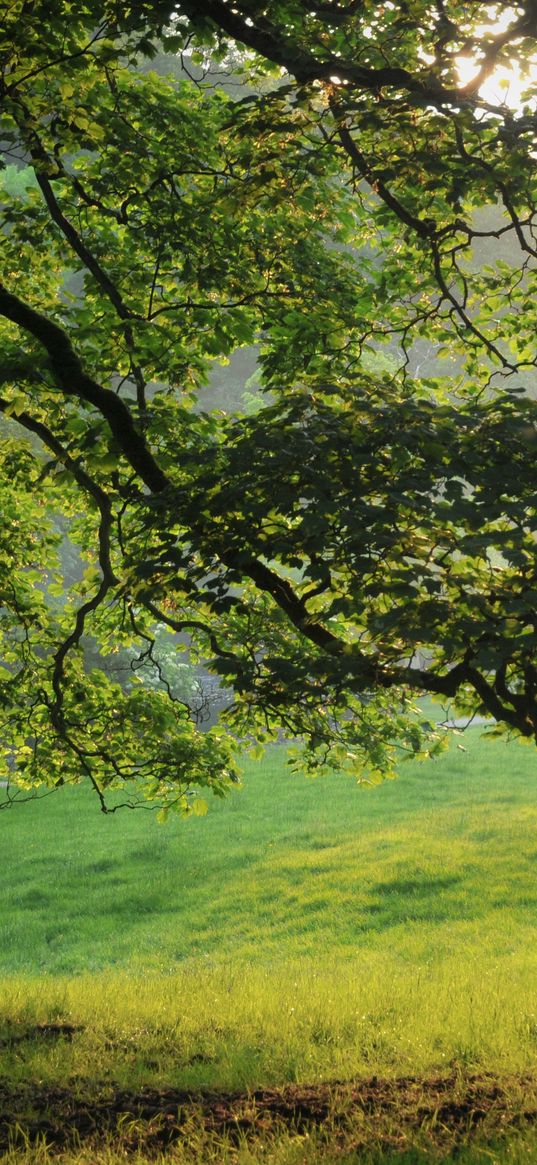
x=305, y=934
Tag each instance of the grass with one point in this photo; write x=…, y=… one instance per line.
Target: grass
x=285, y=1149
x=304, y=931
x=445, y=855
x=286, y=869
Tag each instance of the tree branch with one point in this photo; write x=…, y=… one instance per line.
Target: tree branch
x=79, y=247
x=74, y=381
x=81, y=477
x=269, y=41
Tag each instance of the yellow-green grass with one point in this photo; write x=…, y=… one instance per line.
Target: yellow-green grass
x=290, y=1149
x=441, y=861
x=304, y=930
x=248, y=1026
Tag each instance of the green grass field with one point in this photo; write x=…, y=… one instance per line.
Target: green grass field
x=303, y=932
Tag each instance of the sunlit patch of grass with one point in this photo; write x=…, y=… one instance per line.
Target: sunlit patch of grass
x=303, y=932
x=287, y=867
x=247, y=1025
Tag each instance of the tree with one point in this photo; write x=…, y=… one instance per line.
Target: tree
x=368, y=534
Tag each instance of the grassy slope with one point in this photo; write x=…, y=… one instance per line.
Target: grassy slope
x=303, y=930
x=443, y=858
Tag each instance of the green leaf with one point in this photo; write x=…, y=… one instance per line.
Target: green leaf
x=199, y=807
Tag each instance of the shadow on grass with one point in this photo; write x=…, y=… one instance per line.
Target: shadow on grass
x=420, y=897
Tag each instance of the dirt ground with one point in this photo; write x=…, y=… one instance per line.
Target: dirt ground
x=385, y=1110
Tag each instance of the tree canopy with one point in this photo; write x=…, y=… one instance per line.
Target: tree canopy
x=323, y=183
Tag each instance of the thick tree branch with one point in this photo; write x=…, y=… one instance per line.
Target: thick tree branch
x=361, y=670
x=79, y=247
x=270, y=42
x=74, y=381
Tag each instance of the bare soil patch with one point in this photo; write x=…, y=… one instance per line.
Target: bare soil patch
x=364, y=1112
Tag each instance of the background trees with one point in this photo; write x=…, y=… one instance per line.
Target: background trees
x=368, y=533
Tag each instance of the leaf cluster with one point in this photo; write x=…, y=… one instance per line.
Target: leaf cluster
x=314, y=183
